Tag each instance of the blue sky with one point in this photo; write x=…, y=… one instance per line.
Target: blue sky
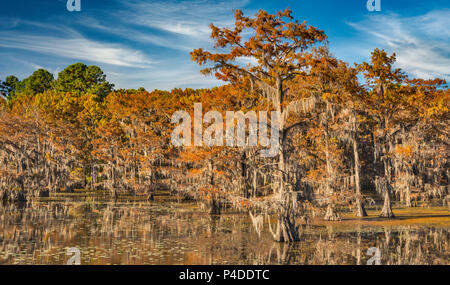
x=147, y=43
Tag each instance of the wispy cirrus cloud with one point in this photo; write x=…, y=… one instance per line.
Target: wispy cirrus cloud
x=421, y=43
x=63, y=41
x=184, y=76
x=187, y=18
x=135, y=35
x=78, y=48
x=125, y=40
x=174, y=25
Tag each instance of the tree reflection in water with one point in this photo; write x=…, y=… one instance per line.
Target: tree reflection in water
x=180, y=233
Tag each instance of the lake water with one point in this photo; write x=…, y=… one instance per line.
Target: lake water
x=171, y=232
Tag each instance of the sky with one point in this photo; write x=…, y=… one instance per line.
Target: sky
x=146, y=43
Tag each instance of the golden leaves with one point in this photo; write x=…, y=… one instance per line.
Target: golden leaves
x=405, y=151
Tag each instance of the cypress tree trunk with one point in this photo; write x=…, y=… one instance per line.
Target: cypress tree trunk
x=360, y=210
x=331, y=214
x=287, y=230
x=387, y=210
x=214, y=207
x=214, y=202
x=408, y=196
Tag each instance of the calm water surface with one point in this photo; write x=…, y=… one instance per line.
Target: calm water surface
x=182, y=233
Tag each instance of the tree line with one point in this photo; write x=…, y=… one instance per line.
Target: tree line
x=349, y=134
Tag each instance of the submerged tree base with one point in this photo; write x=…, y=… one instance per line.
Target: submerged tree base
x=331, y=214
x=286, y=231
x=387, y=209
x=214, y=207
x=388, y=214
x=360, y=210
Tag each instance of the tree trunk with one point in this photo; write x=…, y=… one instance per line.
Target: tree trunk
x=214, y=202
x=214, y=206
x=286, y=230
x=447, y=201
x=331, y=214
x=387, y=210
x=255, y=183
x=243, y=169
x=360, y=210
x=408, y=196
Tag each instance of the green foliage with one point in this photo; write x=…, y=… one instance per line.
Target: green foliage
x=40, y=81
x=9, y=86
x=79, y=78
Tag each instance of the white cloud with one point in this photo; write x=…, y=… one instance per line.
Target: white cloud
x=78, y=48
x=185, y=76
x=421, y=43
x=135, y=35
x=188, y=18
x=178, y=26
